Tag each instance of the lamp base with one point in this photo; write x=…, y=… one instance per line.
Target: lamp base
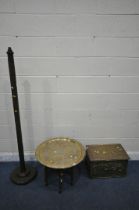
x=22, y=178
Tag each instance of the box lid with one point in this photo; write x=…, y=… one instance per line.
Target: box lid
x=106, y=152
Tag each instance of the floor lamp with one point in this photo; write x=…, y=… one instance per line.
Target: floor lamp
x=24, y=173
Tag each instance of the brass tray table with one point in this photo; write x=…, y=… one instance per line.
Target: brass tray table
x=60, y=153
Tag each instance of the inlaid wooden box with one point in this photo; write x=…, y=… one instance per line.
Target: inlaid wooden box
x=107, y=160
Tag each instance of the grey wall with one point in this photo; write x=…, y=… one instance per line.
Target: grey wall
x=77, y=64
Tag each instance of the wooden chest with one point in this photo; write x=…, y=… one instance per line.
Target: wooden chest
x=107, y=160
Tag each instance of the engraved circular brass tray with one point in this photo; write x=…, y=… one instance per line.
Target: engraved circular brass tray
x=60, y=153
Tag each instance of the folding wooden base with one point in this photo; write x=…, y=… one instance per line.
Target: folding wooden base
x=61, y=173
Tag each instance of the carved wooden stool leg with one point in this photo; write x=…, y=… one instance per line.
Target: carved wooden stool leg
x=72, y=175
x=46, y=175
x=60, y=181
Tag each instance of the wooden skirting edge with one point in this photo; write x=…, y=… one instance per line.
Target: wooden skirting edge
x=30, y=156
x=9, y=156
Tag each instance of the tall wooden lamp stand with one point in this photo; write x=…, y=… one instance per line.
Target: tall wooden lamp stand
x=24, y=173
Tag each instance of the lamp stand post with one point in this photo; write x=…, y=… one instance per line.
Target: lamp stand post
x=24, y=173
